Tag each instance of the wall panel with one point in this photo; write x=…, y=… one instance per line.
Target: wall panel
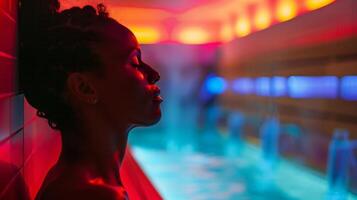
x=7, y=75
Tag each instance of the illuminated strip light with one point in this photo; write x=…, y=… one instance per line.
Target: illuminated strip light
x=316, y=4
x=286, y=10
x=193, y=35
x=216, y=85
x=243, y=86
x=262, y=86
x=262, y=18
x=313, y=87
x=242, y=26
x=349, y=87
x=325, y=87
x=279, y=86
x=146, y=35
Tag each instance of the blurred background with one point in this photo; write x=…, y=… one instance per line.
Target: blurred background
x=260, y=99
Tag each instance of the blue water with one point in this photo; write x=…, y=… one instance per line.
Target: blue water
x=188, y=165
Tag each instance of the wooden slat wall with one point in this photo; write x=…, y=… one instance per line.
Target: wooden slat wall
x=299, y=47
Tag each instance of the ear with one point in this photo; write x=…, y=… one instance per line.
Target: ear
x=82, y=88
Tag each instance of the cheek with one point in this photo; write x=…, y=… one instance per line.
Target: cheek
x=133, y=89
x=126, y=93
x=135, y=86
x=139, y=75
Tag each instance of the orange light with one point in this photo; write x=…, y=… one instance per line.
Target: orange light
x=227, y=33
x=316, y=4
x=193, y=35
x=287, y=9
x=146, y=35
x=242, y=27
x=262, y=18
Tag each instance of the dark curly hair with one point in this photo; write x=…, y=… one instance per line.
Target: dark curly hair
x=53, y=44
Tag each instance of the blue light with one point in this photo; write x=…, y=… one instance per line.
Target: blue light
x=216, y=85
x=263, y=86
x=349, y=87
x=313, y=86
x=279, y=86
x=243, y=86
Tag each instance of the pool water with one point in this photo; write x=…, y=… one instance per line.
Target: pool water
x=213, y=167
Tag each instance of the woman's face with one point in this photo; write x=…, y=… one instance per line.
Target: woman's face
x=127, y=91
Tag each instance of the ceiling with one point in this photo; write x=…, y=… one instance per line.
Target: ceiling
x=168, y=5
x=200, y=20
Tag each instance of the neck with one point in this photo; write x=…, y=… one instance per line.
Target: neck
x=96, y=152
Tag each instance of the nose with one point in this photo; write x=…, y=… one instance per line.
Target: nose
x=151, y=74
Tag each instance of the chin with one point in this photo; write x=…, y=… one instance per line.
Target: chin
x=151, y=119
x=154, y=119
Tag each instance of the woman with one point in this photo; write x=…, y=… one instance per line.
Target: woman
x=83, y=72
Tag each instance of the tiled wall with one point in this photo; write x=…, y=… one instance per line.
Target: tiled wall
x=27, y=146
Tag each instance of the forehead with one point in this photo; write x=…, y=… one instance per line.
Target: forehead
x=117, y=44
x=118, y=34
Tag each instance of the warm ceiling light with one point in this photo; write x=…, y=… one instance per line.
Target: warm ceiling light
x=262, y=18
x=242, y=27
x=146, y=35
x=227, y=33
x=193, y=35
x=315, y=4
x=286, y=9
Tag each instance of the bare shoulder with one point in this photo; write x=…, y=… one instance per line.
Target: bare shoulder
x=88, y=192
x=70, y=184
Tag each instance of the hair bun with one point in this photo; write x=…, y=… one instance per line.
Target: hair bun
x=102, y=10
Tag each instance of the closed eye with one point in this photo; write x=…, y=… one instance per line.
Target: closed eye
x=138, y=67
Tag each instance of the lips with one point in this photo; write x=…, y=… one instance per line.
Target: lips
x=156, y=94
x=158, y=99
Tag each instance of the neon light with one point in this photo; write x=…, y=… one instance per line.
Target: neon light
x=243, y=86
x=349, y=87
x=146, y=35
x=193, y=35
x=242, y=27
x=316, y=4
x=262, y=86
x=279, y=85
x=216, y=85
x=313, y=87
x=287, y=9
x=262, y=18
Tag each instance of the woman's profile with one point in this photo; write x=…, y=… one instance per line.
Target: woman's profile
x=83, y=72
